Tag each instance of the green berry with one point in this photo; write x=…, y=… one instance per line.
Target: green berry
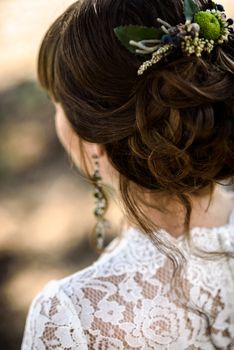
x=209, y=25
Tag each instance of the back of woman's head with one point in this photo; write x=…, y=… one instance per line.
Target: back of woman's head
x=170, y=130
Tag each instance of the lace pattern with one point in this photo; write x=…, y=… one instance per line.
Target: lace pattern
x=124, y=301
x=52, y=322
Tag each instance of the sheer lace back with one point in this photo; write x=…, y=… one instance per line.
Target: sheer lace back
x=124, y=300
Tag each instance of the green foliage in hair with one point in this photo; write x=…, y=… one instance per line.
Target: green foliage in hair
x=190, y=8
x=136, y=33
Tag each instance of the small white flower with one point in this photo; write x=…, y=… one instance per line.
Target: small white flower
x=110, y=311
x=130, y=290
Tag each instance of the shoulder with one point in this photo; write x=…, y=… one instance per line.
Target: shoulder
x=52, y=321
x=65, y=313
x=55, y=317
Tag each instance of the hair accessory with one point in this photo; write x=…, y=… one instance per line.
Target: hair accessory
x=201, y=32
x=101, y=205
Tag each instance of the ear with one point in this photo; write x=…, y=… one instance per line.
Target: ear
x=96, y=149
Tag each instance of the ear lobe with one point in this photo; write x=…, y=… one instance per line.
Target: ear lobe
x=98, y=149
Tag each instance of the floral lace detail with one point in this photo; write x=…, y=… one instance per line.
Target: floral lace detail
x=124, y=300
x=52, y=322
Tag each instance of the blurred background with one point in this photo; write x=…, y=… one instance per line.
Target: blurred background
x=46, y=208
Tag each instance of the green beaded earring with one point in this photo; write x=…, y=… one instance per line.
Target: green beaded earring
x=101, y=204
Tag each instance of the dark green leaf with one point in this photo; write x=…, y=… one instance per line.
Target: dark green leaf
x=136, y=33
x=190, y=8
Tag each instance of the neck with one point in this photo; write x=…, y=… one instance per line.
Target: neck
x=206, y=212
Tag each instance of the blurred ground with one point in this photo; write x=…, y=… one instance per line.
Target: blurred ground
x=45, y=205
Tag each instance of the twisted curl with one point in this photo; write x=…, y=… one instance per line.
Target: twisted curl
x=185, y=125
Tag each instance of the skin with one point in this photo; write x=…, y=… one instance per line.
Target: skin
x=70, y=141
x=218, y=212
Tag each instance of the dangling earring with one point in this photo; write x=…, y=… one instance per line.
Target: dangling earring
x=101, y=204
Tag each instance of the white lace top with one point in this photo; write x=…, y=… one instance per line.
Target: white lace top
x=123, y=300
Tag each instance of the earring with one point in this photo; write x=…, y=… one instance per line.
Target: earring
x=101, y=204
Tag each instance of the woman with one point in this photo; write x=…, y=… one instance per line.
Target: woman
x=160, y=131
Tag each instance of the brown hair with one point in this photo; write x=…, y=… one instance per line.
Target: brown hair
x=169, y=131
